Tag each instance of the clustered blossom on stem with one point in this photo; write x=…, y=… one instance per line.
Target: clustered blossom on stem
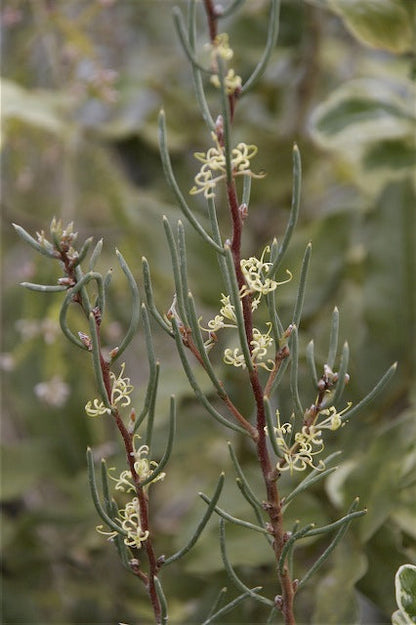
x=221, y=48
x=232, y=82
x=120, y=392
x=214, y=170
x=143, y=467
x=299, y=453
x=258, y=284
x=129, y=518
x=255, y=274
x=260, y=344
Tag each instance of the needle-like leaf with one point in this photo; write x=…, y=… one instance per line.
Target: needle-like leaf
x=201, y=524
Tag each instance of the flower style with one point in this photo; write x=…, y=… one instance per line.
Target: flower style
x=333, y=420
x=214, y=166
x=120, y=392
x=96, y=408
x=216, y=324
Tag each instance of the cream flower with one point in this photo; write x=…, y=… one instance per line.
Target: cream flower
x=254, y=271
x=232, y=81
x=214, y=170
x=131, y=524
x=143, y=467
x=120, y=391
x=129, y=519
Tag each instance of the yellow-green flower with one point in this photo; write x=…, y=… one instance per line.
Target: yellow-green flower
x=234, y=357
x=333, y=420
x=307, y=443
x=120, y=391
x=221, y=47
x=254, y=271
x=121, y=388
x=213, y=168
x=131, y=524
x=232, y=81
x=96, y=408
x=129, y=519
x=143, y=467
x=260, y=344
x=227, y=309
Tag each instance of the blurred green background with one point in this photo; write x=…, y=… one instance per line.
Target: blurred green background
x=83, y=81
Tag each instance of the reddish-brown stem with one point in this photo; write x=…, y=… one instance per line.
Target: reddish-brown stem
x=237, y=230
x=141, y=495
x=273, y=504
x=239, y=417
x=212, y=19
x=127, y=437
x=188, y=342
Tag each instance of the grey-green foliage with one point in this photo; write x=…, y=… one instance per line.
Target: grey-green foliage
x=89, y=291
x=374, y=299
x=188, y=333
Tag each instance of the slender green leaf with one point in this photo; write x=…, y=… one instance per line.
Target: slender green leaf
x=272, y=34
x=233, y=576
x=135, y=307
x=201, y=524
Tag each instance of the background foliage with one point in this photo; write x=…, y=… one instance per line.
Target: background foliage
x=82, y=85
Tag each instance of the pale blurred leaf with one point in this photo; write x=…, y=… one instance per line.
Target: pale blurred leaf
x=382, y=24
x=335, y=595
x=41, y=108
x=377, y=475
x=364, y=110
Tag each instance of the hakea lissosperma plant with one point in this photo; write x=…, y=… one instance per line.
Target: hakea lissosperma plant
x=262, y=352
x=126, y=524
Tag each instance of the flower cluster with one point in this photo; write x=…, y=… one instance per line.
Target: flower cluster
x=232, y=82
x=120, y=392
x=260, y=344
x=214, y=166
x=130, y=524
x=298, y=452
x=257, y=284
x=143, y=467
x=129, y=516
x=255, y=274
x=221, y=48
